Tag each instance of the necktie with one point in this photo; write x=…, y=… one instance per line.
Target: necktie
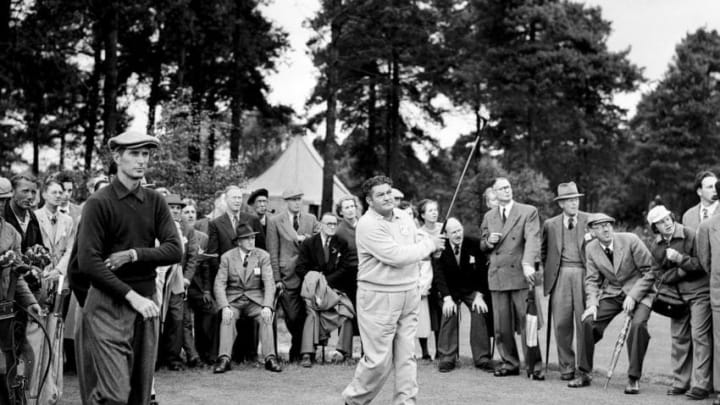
x=504, y=215
x=296, y=222
x=704, y=214
x=63, y=210
x=53, y=219
x=609, y=253
x=571, y=223
x=326, y=250
x=236, y=220
x=456, y=250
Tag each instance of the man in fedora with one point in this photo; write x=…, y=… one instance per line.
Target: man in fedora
x=245, y=287
x=620, y=276
x=125, y=233
x=285, y=232
x=563, y=258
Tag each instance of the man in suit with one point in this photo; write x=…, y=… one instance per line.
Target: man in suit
x=67, y=206
x=56, y=228
x=285, y=232
x=177, y=283
x=511, y=237
x=460, y=275
x=563, y=258
x=258, y=200
x=708, y=205
x=326, y=253
x=245, y=287
x=620, y=277
x=221, y=233
x=19, y=211
x=708, y=252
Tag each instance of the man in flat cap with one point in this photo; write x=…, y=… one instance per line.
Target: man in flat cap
x=285, y=232
x=126, y=231
x=563, y=258
x=258, y=200
x=245, y=287
x=620, y=276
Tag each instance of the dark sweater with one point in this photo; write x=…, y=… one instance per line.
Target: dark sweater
x=116, y=219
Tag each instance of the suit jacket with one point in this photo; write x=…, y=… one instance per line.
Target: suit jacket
x=284, y=246
x=455, y=280
x=551, y=248
x=202, y=225
x=221, y=234
x=632, y=272
x=707, y=242
x=61, y=245
x=10, y=240
x=691, y=217
x=33, y=236
x=201, y=278
x=253, y=279
x=340, y=270
x=518, y=244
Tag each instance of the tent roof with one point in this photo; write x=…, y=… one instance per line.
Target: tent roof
x=299, y=166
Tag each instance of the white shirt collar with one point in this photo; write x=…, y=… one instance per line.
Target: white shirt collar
x=710, y=209
x=507, y=207
x=566, y=218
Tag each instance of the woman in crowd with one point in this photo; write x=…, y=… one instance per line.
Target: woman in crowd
x=429, y=319
x=681, y=276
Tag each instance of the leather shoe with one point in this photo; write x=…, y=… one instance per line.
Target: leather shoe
x=222, y=365
x=194, y=362
x=583, y=380
x=676, y=391
x=567, y=376
x=271, y=364
x=537, y=375
x=697, y=393
x=503, y=372
x=488, y=366
x=446, y=366
x=176, y=366
x=306, y=361
x=716, y=401
x=633, y=386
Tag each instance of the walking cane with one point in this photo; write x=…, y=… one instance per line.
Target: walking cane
x=548, y=334
x=619, y=343
x=483, y=123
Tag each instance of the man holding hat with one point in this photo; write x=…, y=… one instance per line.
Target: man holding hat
x=563, y=258
x=285, y=232
x=245, y=287
x=258, y=200
x=125, y=233
x=620, y=276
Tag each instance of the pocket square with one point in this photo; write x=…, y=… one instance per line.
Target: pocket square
x=472, y=259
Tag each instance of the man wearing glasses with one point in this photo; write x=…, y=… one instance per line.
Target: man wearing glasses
x=327, y=254
x=619, y=279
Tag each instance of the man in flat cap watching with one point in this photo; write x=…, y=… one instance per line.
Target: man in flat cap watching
x=620, y=276
x=113, y=276
x=285, y=232
x=563, y=258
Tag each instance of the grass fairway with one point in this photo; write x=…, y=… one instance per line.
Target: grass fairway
x=322, y=384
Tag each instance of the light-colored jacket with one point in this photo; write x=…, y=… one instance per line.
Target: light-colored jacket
x=252, y=278
x=691, y=217
x=389, y=252
x=283, y=244
x=552, y=244
x=632, y=272
x=707, y=242
x=60, y=245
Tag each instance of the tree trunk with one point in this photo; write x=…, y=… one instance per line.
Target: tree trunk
x=93, y=98
x=330, y=116
x=371, y=163
x=5, y=12
x=62, y=151
x=236, y=104
x=212, y=134
x=194, y=152
x=156, y=78
x=392, y=153
x=111, y=70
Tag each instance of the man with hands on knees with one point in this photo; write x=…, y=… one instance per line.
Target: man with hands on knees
x=461, y=277
x=245, y=287
x=620, y=277
x=116, y=257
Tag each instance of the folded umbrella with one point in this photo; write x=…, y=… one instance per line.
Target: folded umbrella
x=534, y=355
x=619, y=343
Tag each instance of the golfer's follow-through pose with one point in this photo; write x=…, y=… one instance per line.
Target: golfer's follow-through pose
x=389, y=249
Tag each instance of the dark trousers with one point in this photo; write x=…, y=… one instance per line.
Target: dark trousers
x=188, y=327
x=448, y=342
x=509, y=316
x=172, y=335
x=294, y=308
x=122, y=347
x=691, y=352
x=203, y=326
x=637, y=340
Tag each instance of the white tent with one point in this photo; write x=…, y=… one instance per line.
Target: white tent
x=300, y=166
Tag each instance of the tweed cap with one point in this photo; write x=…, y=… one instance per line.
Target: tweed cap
x=133, y=140
x=292, y=193
x=657, y=213
x=599, y=218
x=6, y=190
